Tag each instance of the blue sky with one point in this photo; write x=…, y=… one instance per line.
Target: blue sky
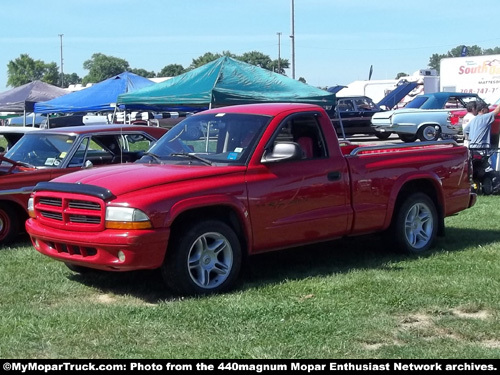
x=336, y=42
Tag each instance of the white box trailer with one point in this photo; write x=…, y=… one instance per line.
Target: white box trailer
x=472, y=74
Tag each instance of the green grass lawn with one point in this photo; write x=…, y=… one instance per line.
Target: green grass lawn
x=345, y=299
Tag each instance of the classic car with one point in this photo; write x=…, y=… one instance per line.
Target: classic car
x=428, y=117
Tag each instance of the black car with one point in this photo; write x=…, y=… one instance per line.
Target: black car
x=355, y=116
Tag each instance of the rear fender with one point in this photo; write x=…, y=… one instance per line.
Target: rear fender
x=428, y=183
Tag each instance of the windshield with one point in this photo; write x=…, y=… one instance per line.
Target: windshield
x=209, y=138
x=45, y=150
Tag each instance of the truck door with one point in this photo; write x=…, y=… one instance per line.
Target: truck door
x=299, y=201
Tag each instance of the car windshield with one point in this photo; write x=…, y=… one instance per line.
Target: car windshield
x=41, y=150
x=226, y=138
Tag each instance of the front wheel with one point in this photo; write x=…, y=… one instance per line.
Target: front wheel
x=203, y=259
x=415, y=224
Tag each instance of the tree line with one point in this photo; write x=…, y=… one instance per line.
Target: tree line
x=25, y=69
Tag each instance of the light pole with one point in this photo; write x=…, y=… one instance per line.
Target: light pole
x=292, y=37
x=62, y=74
x=279, y=52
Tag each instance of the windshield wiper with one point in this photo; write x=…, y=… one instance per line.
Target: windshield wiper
x=153, y=156
x=193, y=156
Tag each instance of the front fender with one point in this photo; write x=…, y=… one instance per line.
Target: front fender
x=213, y=201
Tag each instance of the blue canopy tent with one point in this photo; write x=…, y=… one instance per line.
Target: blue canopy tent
x=97, y=98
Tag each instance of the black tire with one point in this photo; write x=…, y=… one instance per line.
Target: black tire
x=203, y=259
x=407, y=137
x=382, y=136
x=487, y=185
x=428, y=133
x=415, y=224
x=9, y=224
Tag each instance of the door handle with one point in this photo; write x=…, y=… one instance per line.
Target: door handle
x=334, y=176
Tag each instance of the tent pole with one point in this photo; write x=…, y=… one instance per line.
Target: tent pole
x=24, y=116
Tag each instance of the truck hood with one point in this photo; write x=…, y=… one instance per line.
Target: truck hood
x=122, y=179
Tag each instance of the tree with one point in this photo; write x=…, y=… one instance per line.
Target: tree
x=71, y=79
x=207, y=58
x=24, y=70
x=435, y=59
x=401, y=74
x=257, y=59
x=283, y=64
x=171, y=70
x=143, y=73
x=102, y=67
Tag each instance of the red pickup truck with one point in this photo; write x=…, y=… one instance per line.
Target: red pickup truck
x=242, y=180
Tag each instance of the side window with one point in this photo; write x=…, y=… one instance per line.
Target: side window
x=134, y=142
x=305, y=131
x=79, y=156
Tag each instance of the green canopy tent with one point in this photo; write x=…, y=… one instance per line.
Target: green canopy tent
x=222, y=82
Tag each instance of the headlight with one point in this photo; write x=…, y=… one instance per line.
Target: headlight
x=126, y=218
x=31, y=208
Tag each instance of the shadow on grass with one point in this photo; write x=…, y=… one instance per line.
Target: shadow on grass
x=323, y=259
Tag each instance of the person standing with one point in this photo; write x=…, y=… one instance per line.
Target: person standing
x=480, y=126
x=471, y=113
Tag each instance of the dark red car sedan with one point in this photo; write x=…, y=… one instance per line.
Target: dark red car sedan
x=42, y=155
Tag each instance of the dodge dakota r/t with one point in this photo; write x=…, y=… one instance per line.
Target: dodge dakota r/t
x=262, y=177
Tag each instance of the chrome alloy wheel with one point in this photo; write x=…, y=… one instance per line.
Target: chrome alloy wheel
x=210, y=260
x=419, y=225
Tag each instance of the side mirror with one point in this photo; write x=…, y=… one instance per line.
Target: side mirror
x=283, y=151
x=88, y=164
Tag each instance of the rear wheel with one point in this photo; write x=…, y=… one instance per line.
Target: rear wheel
x=407, y=137
x=9, y=224
x=428, y=133
x=487, y=185
x=203, y=259
x=415, y=224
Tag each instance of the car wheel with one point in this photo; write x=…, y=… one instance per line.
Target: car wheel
x=415, y=224
x=204, y=259
x=428, y=133
x=382, y=136
x=9, y=225
x=407, y=137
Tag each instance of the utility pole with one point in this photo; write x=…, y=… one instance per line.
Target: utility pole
x=292, y=36
x=279, y=52
x=62, y=74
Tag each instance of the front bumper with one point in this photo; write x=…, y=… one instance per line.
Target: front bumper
x=111, y=250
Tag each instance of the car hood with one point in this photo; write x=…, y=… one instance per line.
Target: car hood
x=122, y=179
